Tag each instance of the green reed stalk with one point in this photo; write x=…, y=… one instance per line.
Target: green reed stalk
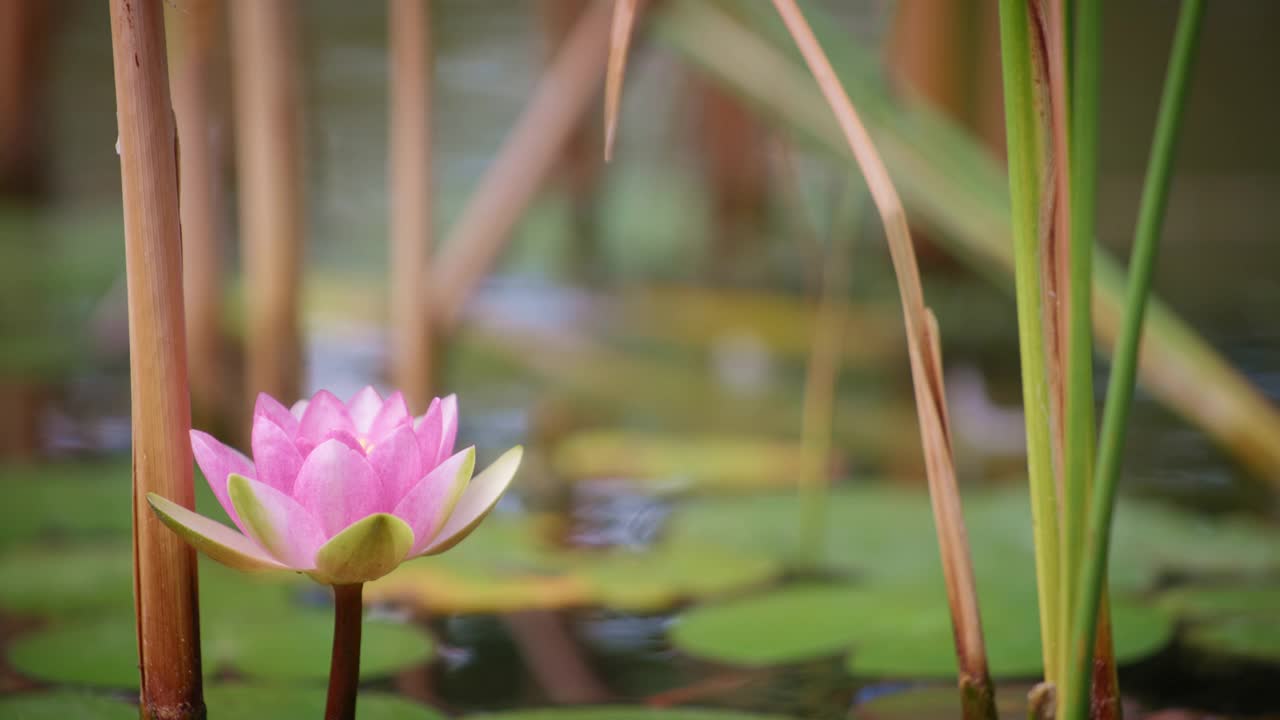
x=1085, y=52
x=1155, y=194
x=1025, y=168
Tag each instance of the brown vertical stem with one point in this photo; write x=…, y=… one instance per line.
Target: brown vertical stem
x=344, y=665
x=199, y=191
x=926, y=57
x=268, y=118
x=24, y=40
x=164, y=566
x=730, y=150
x=411, y=198
x=529, y=154
x=988, y=89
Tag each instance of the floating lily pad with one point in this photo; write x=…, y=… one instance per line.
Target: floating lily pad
x=893, y=632
x=63, y=704
x=782, y=323
x=51, y=580
x=653, y=580
x=707, y=462
x=920, y=643
x=505, y=566
x=81, y=579
x=290, y=703
x=59, y=500
x=293, y=646
x=76, y=500
x=1208, y=603
x=621, y=712
x=886, y=536
x=1248, y=637
x=789, y=625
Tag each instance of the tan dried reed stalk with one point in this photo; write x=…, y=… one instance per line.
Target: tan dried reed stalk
x=412, y=366
x=268, y=116
x=164, y=566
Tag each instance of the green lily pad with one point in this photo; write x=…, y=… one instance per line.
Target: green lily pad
x=82, y=579
x=62, y=704
x=796, y=623
x=76, y=500
x=1237, y=622
x=54, y=581
x=1249, y=637
x=56, y=500
x=886, y=536
x=506, y=565
x=707, y=462
x=1208, y=603
x=291, y=703
x=657, y=579
x=273, y=646
x=893, y=632
x=621, y=712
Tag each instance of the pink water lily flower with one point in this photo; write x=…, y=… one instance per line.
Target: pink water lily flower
x=342, y=492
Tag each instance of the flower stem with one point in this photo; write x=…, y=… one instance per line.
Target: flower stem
x=344, y=668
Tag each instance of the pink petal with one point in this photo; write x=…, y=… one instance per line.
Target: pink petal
x=325, y=414
x=438, y=430
x=427, y=428
x=449, y=425
x=268, y=407
x=477, y=500
x=363, y=407
x=217, y=461
x=426, y=506
x=277, y=522
x=274, y=454
x=397, y=462
x=393, y=413
x=345, y=438
x=298, y=408
x=337, y=486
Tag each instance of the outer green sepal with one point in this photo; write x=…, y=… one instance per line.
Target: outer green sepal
x=212, y=538
x=366, y=550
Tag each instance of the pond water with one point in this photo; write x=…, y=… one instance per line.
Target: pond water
x=662, y=410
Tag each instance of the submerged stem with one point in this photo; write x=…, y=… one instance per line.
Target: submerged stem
x=344, y=668
x=1124, y=366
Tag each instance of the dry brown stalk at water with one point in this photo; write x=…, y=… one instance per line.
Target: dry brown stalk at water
x=164, y=566
x=926, y=372
x=527, y=157
x=624, y=20
x=200, y=194
x=411, y=199
x=268, y=118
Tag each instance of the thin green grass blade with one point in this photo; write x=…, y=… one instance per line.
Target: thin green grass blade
x=1125, y=361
